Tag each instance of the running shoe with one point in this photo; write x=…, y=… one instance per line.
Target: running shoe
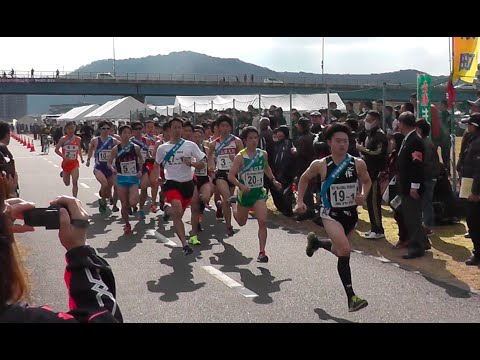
x=61, y=174
x=199, y=227
x=166, y=216
x=130, y=211
x=262, y=257
x=356, y=303
x=115, y=208
x=194, y=240
x=313, y=244
x=230, y=231
x=374, y=236
x=187, y=250
x=141, y=215
x=127, y=229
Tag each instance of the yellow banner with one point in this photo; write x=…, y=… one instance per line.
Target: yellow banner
x=465, y=61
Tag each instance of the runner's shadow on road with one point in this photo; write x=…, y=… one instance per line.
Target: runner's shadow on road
x=325, y=317
x=451, y=290
x=98, y=224
x=262, y=284
x=125, y=243
x=179, y=281
x=229, y=259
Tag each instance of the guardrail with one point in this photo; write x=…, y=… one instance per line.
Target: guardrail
x=50, y=76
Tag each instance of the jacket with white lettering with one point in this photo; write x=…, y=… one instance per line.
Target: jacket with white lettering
x=91, y=289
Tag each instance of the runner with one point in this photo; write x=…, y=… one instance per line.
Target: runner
x=217, y=199
x=203, y=189
x=176, y=157
x=221, y=153
x=114, y=199
x=187, y=131
x=340, y=173
x=102, y=146
x=150, y=160
x=157, y=130
x=71, y=150
x=128, y=165
x=141, y=141
x=251, y=164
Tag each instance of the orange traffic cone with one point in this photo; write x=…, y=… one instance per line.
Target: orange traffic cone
x=28, y=144
x=32, y=147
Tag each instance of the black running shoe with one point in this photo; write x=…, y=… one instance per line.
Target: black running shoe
x=356, y=303
x=61, y=174
x=202, y=207
x=115, y=208
x=262, y=258
x=187, y=250
x=130, y=211
x=199, y=227
x=166, y=216
x=313, y=244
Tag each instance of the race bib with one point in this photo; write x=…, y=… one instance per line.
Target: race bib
x=343, y=195
x=71, y=154
x=224, y=162
x=202, y=172
x=151, y=150
x=104, y=155
x=129, y=168
x=253, y=179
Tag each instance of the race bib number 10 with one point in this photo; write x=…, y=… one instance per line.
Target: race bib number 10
x=103, y=155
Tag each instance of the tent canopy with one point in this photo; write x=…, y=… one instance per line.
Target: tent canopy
x=120, y=109
x=300, y=102
x=78, y=113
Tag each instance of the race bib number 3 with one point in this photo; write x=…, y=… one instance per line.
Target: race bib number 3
x=254, y=179
x=343, y=195
x=104, y=155
x=129, y=168
x=224, y=162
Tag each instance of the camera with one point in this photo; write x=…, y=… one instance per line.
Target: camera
x=47, y=217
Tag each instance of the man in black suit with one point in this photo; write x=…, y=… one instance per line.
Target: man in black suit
x=411, y=178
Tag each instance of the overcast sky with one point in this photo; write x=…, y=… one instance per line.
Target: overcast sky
x=342, y=55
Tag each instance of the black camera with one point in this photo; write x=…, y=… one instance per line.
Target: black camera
x=47, y=217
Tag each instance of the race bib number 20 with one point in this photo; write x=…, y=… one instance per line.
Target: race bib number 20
x=254, y=179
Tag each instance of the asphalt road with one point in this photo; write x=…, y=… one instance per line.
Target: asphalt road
x=222, y=281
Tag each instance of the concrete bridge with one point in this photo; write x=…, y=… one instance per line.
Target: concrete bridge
x=141, y=85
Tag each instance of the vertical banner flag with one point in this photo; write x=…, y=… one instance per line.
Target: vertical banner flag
x=423, y=97
x=465, y=58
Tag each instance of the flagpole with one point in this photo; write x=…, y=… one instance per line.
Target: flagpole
x=452, y=117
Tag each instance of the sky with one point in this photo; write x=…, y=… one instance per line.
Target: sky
x=347, y=55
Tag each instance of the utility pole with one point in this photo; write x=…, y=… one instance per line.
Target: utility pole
x=113, y=57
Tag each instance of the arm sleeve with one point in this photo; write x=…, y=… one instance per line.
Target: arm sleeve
x=160, y=155
x=417, y=169
x=91, y=287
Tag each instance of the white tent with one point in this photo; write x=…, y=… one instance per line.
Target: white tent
x=120, y=109
x=166, y=110
x=78, y=113
x=300, y=102
x=29, y=120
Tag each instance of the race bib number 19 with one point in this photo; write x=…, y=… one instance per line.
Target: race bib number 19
x=343, y=195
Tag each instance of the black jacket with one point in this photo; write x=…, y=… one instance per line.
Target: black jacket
x=91, y=289
x=471, y=161
x=375, y=155
x=305, y=153
x=7, y=163
x=283, y=162
x=432, y=165
x=410, y=164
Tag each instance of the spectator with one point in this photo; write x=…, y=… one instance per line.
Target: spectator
x=31, y=73
x=283, y=165
x=443, y=140
x=58, y=73
x=7, y=163
x=265, y=141
x=411, y=177
x=86, y=273
x=379, y=107
x=432, y=168
x=413, y=101
x=251, y=78
x=389, y=120
x=373, y=148
x=294, y=116
x=317, y=122
x=471, y=170
x=12, y=73
x=350, y=112
x=304, y=155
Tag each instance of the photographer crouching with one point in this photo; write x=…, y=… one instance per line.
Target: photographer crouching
x=89, y=279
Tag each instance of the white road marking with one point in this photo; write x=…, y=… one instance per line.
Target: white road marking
x=56, y=166
x=97, y=195
x=217, y=274
x=90, y=178
x=85, y=186
x=50, y=161
x=165, y=240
